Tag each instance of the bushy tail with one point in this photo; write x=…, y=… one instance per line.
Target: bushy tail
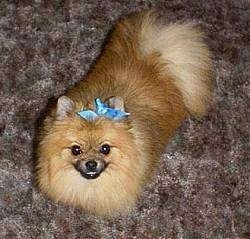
x=187, y=58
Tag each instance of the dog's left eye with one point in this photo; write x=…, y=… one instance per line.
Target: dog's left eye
x=105, y=149
x=76, y=150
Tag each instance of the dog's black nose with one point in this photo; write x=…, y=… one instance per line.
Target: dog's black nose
x=90, y=169
x=91, y=165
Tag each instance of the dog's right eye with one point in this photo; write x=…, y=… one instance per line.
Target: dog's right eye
x=76, y=150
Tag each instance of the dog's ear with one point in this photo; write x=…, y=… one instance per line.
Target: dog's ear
x=116, y=102
x=65, y=107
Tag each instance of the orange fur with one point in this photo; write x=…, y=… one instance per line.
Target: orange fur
x=158, y=86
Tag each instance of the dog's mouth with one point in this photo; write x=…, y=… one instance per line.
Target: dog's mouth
x=90, y=169
x=90, y=175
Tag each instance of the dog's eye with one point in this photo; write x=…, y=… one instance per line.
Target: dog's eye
x=76, y=149
x=105, y=149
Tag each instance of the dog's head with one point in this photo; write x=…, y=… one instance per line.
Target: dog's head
x=94, y=164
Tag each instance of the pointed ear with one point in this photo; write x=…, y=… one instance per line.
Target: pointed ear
x=65, y=107
x=116, y=103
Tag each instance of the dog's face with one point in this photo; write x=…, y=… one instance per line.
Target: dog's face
x=90, y=164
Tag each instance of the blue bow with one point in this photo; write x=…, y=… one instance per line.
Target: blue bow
x=101, y=109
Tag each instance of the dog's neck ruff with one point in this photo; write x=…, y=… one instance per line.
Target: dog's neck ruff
x=102, y=110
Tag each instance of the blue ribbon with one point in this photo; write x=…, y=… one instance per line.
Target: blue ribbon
x=101, y=109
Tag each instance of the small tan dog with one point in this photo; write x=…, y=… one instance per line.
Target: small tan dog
x=159, y=75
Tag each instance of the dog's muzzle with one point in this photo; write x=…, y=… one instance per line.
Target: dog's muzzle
x=90, y=169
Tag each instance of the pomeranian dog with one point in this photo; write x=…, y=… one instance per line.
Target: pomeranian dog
x=101, y=142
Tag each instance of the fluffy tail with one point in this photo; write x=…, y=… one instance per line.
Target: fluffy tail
x=187, y=58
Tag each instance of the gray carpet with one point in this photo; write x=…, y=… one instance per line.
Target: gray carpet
x=202, y=186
